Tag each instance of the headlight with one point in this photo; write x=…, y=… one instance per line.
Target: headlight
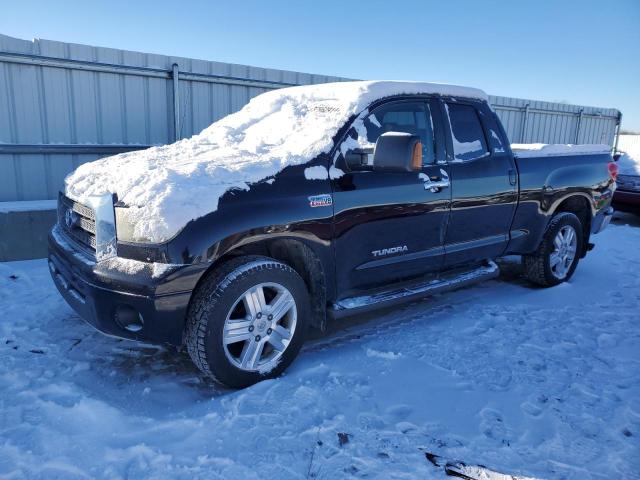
x=628, y=182
x=126, y=225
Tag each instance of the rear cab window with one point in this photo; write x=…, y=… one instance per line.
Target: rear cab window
x=495, y=141
x=467, y=134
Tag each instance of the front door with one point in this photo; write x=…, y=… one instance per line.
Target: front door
x=389, y=227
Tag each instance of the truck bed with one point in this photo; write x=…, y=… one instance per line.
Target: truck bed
x=522, y=150
x=548, y=174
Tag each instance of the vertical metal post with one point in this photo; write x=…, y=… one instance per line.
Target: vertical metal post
x=176, y=102
x=577, y=139
x=618, y=127
x=525, y=124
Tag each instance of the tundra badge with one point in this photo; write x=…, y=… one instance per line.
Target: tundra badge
x=389, y=251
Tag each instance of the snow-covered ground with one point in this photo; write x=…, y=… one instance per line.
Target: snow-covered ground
x=527, y=381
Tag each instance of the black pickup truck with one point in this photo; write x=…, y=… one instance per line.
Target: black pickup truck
x=416, y=190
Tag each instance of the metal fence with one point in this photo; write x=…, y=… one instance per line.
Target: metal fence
x=65, y=104
x=533, y=121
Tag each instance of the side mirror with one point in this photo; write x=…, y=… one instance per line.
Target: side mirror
x=359, y=158
x=616, y=156
x=397, y=152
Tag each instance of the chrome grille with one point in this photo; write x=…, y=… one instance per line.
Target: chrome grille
x=78, y=222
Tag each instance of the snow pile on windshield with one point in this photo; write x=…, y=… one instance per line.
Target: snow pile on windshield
x=523, y=150
x=629, y=162
x=168, y=186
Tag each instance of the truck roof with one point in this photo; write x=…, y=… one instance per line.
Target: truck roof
x=371, y=90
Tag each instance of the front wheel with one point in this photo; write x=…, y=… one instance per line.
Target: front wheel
x=558, y=254
x=247, y=321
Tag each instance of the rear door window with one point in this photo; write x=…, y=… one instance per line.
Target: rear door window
x=468, y=137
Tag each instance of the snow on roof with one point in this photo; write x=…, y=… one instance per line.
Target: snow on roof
x=168, y=186
x=523, y=150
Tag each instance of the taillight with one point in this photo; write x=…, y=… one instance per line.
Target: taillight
x=613, y=171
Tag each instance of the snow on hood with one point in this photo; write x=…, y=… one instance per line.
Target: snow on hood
x=166, y=187
x=523, y=150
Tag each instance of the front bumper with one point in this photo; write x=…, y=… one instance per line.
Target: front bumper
x=100, y=292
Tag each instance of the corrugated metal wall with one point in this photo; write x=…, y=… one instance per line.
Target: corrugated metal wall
x=533, y=121
x=65, y=104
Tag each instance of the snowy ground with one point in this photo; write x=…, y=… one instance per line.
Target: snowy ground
x=526, y=381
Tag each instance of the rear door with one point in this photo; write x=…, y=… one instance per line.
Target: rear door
x=483, y=184
x=388, y=226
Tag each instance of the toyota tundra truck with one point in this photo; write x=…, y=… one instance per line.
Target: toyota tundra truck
x=314, y=203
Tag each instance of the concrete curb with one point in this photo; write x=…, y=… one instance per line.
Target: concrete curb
x=23, y=231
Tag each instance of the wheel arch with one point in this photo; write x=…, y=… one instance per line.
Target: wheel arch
x=581, y=206
x=293, y=252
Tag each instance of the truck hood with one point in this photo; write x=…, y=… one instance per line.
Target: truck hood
x=166, y=187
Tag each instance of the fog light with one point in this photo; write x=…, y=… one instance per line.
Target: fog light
x=128, y=318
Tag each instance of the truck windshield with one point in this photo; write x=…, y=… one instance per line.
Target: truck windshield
x=287, y=124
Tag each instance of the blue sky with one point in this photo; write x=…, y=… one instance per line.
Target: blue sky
x=585, y=52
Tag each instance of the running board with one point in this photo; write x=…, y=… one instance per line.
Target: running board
x=355, y=305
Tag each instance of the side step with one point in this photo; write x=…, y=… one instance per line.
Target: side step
x=365, y=303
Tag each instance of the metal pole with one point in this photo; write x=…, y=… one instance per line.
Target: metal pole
x=525, y=124
x=576, y=140
x=70, y=64
x=176, y=102
x=618, y=126
x=66, y=148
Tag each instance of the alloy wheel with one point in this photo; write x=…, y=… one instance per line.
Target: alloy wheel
x=565, y=245
x=259, y=327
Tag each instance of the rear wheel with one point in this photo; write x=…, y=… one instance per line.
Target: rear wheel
x=247, y=321
x=557, y=257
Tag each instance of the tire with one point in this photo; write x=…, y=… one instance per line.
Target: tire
x=543, y=267
x=231, y=316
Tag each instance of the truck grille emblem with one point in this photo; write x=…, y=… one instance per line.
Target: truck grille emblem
x=70, y=218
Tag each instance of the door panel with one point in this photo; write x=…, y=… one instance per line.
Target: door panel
x=394, y=211
x=389, y=227
x=484, y=196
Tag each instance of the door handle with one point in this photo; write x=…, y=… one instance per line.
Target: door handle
x=512, y=177
x=435, y=183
